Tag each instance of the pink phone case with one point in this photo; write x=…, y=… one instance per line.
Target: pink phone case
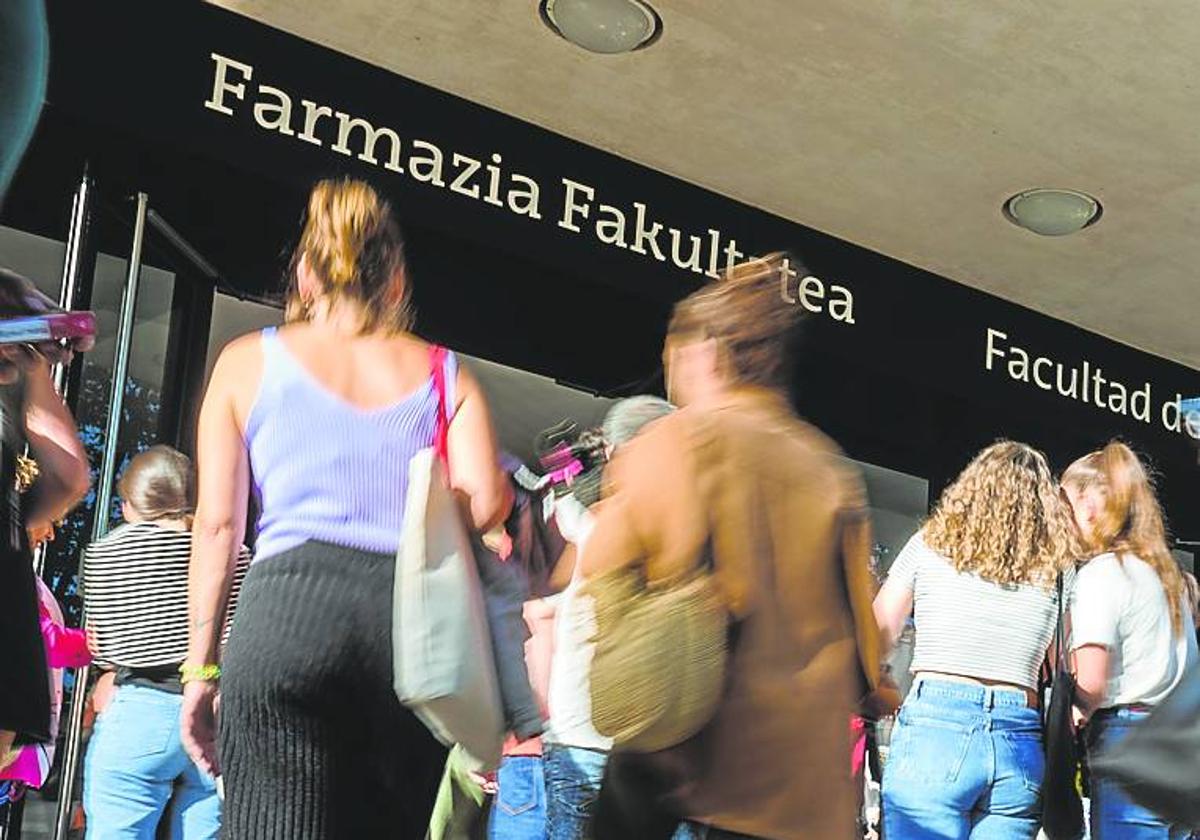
x=54, y=327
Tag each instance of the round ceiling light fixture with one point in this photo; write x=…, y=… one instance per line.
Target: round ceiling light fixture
x=1052, y=212
x=603, y=26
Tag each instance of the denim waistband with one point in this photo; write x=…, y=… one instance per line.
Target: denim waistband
x=147, y=694
x=985, y=697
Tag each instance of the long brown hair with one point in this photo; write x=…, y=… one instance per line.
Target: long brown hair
x=744, y=314
x=352, y=242
x=1130, y=520
x=1004, y=519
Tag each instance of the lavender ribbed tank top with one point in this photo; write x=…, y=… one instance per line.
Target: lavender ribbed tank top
x=326, y=470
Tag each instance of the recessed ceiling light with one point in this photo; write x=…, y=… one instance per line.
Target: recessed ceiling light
x=603, y=26
x=1051, y=212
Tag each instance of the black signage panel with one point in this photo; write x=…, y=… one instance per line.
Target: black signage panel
x=559, y=224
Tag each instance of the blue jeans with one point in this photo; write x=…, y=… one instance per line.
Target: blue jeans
x=573, y=777
x=519, y=809
x=965, y=762
x=136, y=770
x=1114, y=815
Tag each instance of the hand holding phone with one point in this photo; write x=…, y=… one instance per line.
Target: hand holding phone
x=64, y=334
x=50, y=327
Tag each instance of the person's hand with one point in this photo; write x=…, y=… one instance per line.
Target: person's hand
x=104, y=690
x=20, y=298
x=40, y=532
x=1078, y=717
x=198, y=724
x=486, y=781
x=883, y=701
x=498, y=542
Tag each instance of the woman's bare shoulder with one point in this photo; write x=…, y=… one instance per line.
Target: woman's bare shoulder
x=235, y=356
x=237, y=372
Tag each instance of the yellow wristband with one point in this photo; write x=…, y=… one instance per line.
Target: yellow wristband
x=199, y=673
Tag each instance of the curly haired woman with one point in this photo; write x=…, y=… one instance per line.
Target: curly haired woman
x=980, y=576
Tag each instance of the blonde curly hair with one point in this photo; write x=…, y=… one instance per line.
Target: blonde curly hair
x=1005, y=519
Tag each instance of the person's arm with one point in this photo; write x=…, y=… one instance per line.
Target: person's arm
x=223, y=488
x=223, y=472
x=653, y=514
x=64, y=475
x=894, y=603
x=1097, y=602
x=65, y=648
x=1091, y=678
x=893, y=606
x=564, y=569
x=474, y=457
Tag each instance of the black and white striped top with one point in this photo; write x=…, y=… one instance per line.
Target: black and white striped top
x=135, y=590
x=972, y=627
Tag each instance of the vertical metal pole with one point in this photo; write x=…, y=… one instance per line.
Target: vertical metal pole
x=77, y=236
x=108, y=467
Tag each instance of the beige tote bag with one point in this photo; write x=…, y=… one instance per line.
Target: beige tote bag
x=443, y=664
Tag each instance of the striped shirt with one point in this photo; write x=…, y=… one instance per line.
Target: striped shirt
x=973, y=627
x=135, y=589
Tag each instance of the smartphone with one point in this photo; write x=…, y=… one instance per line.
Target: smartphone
x=56, y=326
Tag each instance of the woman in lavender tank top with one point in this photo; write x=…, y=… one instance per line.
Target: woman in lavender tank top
x=319, y=420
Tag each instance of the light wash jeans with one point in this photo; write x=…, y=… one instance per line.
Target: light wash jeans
x=519, y=807
x=965, y=762
x=1114, y=815
x=136, y=770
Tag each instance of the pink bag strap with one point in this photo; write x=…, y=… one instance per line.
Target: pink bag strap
x=441, y=427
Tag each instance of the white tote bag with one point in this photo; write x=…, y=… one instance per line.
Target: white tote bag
x=443, y=664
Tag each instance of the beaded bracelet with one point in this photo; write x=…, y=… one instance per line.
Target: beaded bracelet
x=199, y=673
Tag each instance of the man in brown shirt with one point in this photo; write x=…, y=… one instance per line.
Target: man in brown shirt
x=785, y=516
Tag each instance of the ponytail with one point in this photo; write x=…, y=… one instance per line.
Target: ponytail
x=1131, y=521
x=352, y=242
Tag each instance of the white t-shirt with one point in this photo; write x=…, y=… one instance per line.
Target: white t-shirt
x=1119, y=603
x=569, y=697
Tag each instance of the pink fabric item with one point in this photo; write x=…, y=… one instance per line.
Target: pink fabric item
x=858, y=753
x=441, y=429
x=539, y=651
x=65, y=648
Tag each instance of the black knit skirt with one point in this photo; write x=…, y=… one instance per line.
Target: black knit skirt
x=313, y=743
x=24, y=680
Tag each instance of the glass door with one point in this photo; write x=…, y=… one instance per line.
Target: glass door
x=153, y=307
x=152, y=295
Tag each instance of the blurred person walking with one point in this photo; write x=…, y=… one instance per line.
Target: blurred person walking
x=1132, y=626
x=56, y=476
x=136, y=773
x=575, y=753
x=737, y=478
x=980, y=577
x=323, y=416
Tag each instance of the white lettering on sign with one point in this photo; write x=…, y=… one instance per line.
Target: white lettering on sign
x=1087, y=383
x=487, y=179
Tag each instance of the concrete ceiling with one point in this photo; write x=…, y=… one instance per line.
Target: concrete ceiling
x=900, y=125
